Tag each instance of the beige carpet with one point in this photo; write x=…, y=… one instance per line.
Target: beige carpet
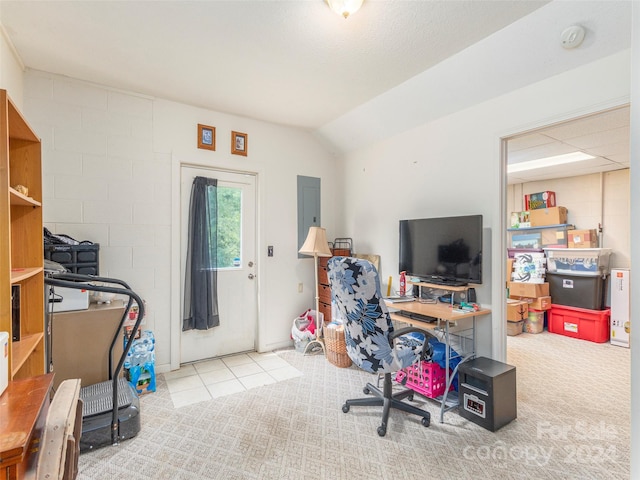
x=573, y=423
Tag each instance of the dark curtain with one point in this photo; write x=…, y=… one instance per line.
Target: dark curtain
x=201, y=278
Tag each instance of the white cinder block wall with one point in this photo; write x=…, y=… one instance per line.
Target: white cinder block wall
x=108, y=161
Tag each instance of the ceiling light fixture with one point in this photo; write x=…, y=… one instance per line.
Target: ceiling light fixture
x=344, y=8
x=548, y=162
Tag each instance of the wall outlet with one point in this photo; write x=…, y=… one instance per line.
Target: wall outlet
x=300, y=287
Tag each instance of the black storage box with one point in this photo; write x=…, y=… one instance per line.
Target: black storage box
x=487, y=392
x=82, y=259
x=582, y=291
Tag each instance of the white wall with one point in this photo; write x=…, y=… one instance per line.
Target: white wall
x=452, y=166
x=109, y=158
x=634, y=180
x=591, y=200
x=11, y=70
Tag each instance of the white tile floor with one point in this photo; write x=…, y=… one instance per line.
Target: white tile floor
x=203, y=381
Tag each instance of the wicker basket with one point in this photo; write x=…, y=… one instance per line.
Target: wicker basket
x=335, y=346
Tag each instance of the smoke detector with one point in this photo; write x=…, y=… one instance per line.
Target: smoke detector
x=572, y=36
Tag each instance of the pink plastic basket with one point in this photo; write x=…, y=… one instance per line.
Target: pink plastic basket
x=426, y=378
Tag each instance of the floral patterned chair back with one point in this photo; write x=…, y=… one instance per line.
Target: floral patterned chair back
x=355, y=291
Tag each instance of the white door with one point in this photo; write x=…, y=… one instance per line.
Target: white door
x=237, y=286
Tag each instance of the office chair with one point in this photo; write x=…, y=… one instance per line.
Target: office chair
x=372, y=343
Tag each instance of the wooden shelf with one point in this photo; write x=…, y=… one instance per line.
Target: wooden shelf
x=20, y=274
x=19, y=199
x=21, y=250
x=442, y=287
x=442, y=311
x=23, y=349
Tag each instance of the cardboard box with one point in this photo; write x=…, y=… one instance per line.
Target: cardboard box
x=509, y=268
x=540, y=303
x=531, y=290
x=583, y=238
x=527, y=240
x=529, y=267
x=81, y=340
x=543, y=217
x=517, y=310
x=535, y=201
x=520, y=219
x=515, y=328
x=620, y=307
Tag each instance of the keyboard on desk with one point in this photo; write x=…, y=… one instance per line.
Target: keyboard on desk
x=418, y=316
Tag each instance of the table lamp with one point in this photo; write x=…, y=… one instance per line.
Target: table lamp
x=316, y=245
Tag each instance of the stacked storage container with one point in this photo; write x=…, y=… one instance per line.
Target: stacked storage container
x=574, y=293
x=543, y=225
x=82, y=259
x=578, y=285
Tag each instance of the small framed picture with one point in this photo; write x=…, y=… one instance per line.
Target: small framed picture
x=239, y=143
x=206, y=137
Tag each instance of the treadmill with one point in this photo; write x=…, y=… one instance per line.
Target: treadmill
x=111, y=409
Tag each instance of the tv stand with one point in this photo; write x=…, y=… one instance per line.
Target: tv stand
x=449, y=288
x=446, y=283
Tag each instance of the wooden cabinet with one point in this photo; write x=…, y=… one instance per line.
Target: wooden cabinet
x=324, y=290
x=23, y=413
x=340, y=247
x=21, y=241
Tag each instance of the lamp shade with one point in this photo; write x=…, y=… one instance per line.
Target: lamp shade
x=316, y=243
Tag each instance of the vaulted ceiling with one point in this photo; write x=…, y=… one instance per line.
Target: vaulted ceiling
x=292, y=62
x=296, y=63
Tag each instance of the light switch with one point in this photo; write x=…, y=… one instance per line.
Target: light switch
x=270, y=251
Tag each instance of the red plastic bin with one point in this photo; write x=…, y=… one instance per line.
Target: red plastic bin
x=592, y=325
x=427, y=378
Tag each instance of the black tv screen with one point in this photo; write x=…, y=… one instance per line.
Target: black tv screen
x=442, y=250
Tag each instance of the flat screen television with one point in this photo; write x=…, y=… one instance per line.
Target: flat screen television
x=443, y=250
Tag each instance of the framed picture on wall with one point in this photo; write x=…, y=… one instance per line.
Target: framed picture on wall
x=206, y=137
x=239, y=143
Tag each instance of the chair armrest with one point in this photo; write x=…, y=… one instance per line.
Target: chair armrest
x=64, y=411
x=427, y=351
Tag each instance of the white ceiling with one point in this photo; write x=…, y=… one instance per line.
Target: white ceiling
x=292, y=62
x=295, y=62
x=606, y=136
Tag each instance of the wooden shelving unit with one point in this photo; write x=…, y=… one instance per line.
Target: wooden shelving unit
x=21, y=246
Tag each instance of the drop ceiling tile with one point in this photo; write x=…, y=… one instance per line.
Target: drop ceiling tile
x=527, y=141
x=590, y=125
x=604, y=137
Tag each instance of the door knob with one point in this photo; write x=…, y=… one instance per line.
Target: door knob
x=251, y=276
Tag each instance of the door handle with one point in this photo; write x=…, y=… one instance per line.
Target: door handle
x=251, y=276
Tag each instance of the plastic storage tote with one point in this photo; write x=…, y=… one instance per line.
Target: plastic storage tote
x=577, y=290
x=582, y=323
x=578, y=261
